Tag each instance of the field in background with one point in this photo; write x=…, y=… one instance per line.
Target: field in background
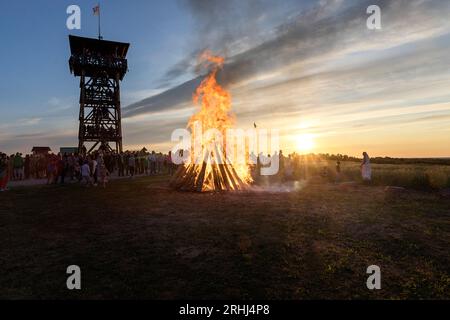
x=415, y=176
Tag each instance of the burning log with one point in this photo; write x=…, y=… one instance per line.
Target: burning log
x=212, y=174
x=214, y=180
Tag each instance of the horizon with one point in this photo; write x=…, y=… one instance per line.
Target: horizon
x=311, y=68
x=359, y=157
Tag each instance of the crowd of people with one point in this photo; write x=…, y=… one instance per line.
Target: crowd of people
x=96, y=168
x=90, y=169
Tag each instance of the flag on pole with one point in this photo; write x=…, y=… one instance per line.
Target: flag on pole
x=96, y=10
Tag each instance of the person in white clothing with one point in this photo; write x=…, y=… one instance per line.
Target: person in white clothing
x=366, y=170
x=86, y=173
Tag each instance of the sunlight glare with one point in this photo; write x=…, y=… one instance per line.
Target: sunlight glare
x=305, y=142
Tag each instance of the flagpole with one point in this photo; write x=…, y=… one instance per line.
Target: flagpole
x=99, y=30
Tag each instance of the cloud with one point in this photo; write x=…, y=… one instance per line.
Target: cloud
x=328, y=31
x=58, y=105
x=29, y=121
x=164, y=101
x=23, y=142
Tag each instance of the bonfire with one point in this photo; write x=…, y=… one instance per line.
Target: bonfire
x=209, y=167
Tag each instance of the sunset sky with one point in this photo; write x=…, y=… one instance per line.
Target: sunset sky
x=309, y=68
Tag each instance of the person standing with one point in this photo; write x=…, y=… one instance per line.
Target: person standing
x=121, y=164
x=281, y=163
x=4, y=177
x=18, y=167
x=146, y=164
x=103, y=171
x=159, y=162
x=42, y=165
x=51, y=169
x=94, y=169
x=149, y=161
x=152, y=159
x=141, y=163
x=107, y=161
x=64, y=167
x=11, y=167
x=71, y=166
x=338, y=171
x=126, y=158
x=26, y=167
x=77, y=168
x=86, y=173
x=170, y=164
x=366, y=171
x=131, y=164
x=34, y=167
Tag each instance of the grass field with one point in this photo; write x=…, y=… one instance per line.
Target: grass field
x=139, y=239
x=415, y=176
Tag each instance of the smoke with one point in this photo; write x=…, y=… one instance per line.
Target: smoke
x=220, y=23
x=291, y=186
x=258, y=35
x=224, y=27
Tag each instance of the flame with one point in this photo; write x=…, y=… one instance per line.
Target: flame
x=215, y=101
x=215, y=113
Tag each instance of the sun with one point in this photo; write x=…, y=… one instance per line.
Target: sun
x=305, y=142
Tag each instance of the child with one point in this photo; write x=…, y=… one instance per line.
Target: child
x=103, y=172
x=86, y=173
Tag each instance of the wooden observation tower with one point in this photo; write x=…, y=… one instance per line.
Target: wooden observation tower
x=101, y=65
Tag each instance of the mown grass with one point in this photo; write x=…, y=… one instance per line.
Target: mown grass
x=140, y=239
